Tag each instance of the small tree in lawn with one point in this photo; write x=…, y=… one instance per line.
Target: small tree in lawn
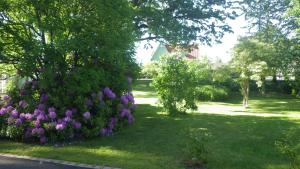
x=250, y=58
x=175, y=84
x=241, y=61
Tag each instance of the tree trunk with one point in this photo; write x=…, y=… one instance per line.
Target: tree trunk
x=274, y=80
x=263, y=86
x=245, y=92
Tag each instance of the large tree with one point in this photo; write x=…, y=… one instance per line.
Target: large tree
x=71, y=51
x=267, y=14
x=177, y=21
x=56, y=39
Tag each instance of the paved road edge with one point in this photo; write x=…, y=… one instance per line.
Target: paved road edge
x=56, y=161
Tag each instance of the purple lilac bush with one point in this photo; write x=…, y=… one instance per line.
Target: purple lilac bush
x=102, y=113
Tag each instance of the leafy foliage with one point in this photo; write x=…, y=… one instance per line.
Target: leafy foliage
x=287, y=145
x=64, y=51
x=197, y=149
x=177, y=21
x=175, y=84
x=150, y=70
x=211, y=93
x=264, y=15
x=39, y=119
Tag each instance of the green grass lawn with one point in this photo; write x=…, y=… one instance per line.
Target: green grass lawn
x=157, y=141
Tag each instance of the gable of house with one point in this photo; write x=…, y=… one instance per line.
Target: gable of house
x=191, y=53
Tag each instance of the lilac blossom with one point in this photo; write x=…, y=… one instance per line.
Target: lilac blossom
x=51, y=109
x=76, y=125
x=28, y=116
x=60, y=121
x=124, y=100
x=67, y=119
x=37, y=123
x=87, y=115
x=34, y=131
x=130, y=97
x=42, y=117
x=110, y=94
x=36, y=112
x=112, y=122
x=6, y=98
x=52, y=115
x=15, y=114
x=69, y=113
x=38, y=131
x=9, y=108
x=44, y=98
x=3, y=110
x=41, y=107
x=130, y=118
x=41, y=131
x=23, y=104
x=23, y=116
x=60, y=126
x=124, y=112
x=19, y=122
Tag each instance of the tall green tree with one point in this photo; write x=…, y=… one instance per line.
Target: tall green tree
x=266, y=14
x=177, y=21
x=74, y=47
x=249, y=60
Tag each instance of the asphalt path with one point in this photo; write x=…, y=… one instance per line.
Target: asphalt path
x=16, y=163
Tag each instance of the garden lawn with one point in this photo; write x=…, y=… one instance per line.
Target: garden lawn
x=157, y=141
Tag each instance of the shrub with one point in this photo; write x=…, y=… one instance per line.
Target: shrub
x=211, y=93
x=63, y=66
x=288, y=145
x=150, y=70
x=33, y=116
x=175, y=84
x=201, y=70
x=197, y=149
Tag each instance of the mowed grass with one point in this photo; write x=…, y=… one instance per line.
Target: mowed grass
x=157, y=141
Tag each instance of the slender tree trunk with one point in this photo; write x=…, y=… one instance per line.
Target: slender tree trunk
x=263, y=86
x=297, y=83
x=245, y=92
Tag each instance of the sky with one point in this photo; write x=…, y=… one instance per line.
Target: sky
x=221, y=51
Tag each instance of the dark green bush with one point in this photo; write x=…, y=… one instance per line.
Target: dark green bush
x=150, y=70
x=175, y=85
x=211, y=93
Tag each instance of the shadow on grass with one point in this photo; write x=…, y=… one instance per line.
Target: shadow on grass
x=159, y=141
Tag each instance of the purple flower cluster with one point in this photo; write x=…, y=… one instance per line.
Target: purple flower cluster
x=109, y=93
x=23, y=104
x=46, y=120
x=52, y=113
x=126, y=113
x=87, y=115
x=127, y=98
